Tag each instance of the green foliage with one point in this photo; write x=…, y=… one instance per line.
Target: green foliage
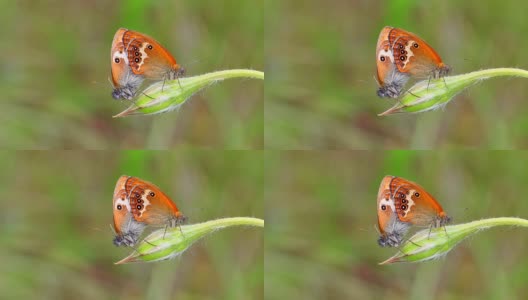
x=56, y=242
x=55, y=74
x=321, y=92
x=322, y=221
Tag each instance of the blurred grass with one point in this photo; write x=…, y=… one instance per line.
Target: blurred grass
x=56, y=243
x=321, y=213
x=321, y=93
x=56, y=65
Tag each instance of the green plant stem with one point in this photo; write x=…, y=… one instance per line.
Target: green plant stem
x=429, y=95
x=165, y=244
x=431, y=244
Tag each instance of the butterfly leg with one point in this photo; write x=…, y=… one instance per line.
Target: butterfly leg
x=445, y=230
x=428, y=82
x=146, y=95
x=165, y=231
x=430, y=228
x=150, y=243
x=408, y=91
x=179, y=83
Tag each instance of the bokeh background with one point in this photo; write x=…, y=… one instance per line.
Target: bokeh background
x=321, y=241
x=56, y=241
x=321, y=92
x=56, y=62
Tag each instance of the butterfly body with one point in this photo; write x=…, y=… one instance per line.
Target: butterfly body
x=136, y=57
x=402, y=203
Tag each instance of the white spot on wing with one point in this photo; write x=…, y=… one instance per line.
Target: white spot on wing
x=386, y=52
x=145, y=203
x=388, y=202
x=409, y=52
x=122, y=202
x=119, y=54
x=410, y=202
x=143, y=55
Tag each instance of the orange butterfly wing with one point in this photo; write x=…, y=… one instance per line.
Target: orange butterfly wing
x=118, y=58
x=384, y=58
x=385, y=205
x=390, y=81
x=125, y=82
x=150, y=205
x=126, y=228
x=413, y=55
x=415, y=205
x=391, y=228
x=120, y=206
x=148, y=57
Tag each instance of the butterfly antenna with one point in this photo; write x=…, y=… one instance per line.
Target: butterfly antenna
x=110, y=80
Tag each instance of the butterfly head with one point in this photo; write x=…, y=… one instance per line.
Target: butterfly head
x=175, y=72
x=127, y=92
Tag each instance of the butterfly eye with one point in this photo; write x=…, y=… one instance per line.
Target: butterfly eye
x=152, y=194
x=404, y=201
x=404, y=207
x=117, y=60
x=415, y=45
x=137, y=53
x=382, y=58
x=416, y=194
x=402, y=196
x=402, y=52
x=135, y=48
x=138, y=195
x=119, y=207
x=139, y=207
x=383, y=207
x=137, y=60
x=402, y=58
x=401, y=46
x=150, y=47
x=139, y=200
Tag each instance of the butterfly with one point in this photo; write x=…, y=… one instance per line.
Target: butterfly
x=127, y=230
x=414, y=56
x=139, y=203
x=389, y=79
x=136, y=57
x=400, y=55
x=402, y=203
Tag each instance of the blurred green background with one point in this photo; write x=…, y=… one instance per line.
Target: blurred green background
x=56, y=62
x=321, y=241
x=321, y=92
x=56, y=242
